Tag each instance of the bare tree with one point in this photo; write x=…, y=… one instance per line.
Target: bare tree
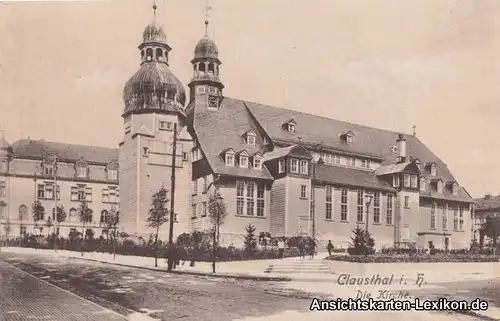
x=61, y=215
x=158, y=215
x=217, y=213
x=111, y=221
x=85, y=216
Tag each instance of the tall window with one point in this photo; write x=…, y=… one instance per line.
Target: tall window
x=48, y=170
x=250, y=198
x=281, y=166
x=376, y=207
x=203, y=209
x=433, y=170
x=455, y=218
x=395, y=181
x=359, y=216
x=439, y=187
x=461, y=219
x=193, y=211
x=46, y=191
x=343, y=204
x=205, y=184
x=3, y=189
x=195, y=187
x=303, y=191
x=240, y=198
x=422, y=184
x=407, y=180
x=389, y=209
x=260, y=199
x=445, y=216
x=303, y=167
x=244, y=161
x=433, y=216
x=329, y=202
x=294, y=165
x=414, y=181
x=407, y=201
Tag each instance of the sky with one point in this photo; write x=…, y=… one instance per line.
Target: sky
x=384, y=63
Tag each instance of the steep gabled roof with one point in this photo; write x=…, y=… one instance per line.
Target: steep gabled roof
x=37, y=149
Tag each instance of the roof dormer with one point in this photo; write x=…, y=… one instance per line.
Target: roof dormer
x=289, y=125
x=417, y=163
x=453, y=186
x=431, y=168
x=257, y=161
x=81, y=168
x=250, y=137
x=438, y=184
x=243, y=159
x=228, y=156
x=347, y=137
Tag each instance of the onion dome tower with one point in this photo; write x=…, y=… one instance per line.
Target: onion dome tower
x=153, y=88
x=205, y=86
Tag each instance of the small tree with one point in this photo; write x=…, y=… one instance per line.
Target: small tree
x=217, y=213
x=491, y=229
x=362, y=242
x=158, y=215
x=250, y=240
x=37, y=212
x=111, y=221
x=84, y=215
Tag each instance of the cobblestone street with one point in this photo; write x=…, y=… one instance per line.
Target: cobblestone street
x=167, y=297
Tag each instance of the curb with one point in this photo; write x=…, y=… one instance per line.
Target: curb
x=214, y=275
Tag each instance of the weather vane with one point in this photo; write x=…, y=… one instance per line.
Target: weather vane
x=207, y=11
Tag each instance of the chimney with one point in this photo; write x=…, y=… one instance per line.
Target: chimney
x=401, y=143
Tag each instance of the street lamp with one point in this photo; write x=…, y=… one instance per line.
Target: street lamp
x=368, y=198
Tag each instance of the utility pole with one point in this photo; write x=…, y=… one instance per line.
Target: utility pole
x=172, y=199
x=56, y=221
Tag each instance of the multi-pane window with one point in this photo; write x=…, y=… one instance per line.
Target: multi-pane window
x=251, y=140
x=414, y=181
x=433, y=216
x=363, y=163
x=257, y=163
x=166, y=125
x=376, y=207
x=110, y=195
x=350, y=161
x=303, y=167
x=205, y=184
x=422, y=184
x=244, y=161
x=260, y=199
x=240, y=198
x=455, y=219
x=112, y=174
x=407, y=201
x=343, y=204
x=461, y=219
x=3, y=189
x=46, y=191
x=250, y=198
x=294, y=165
x=281, y=166
x=336, y=159
x=359, y=216
x=389, y=214
x=303, y=191
x=395, y=181
x=48, y=170
x=80, y=193
x=406, y=181
x=445, y=216
x=229, y=159
x=329, y=202
x=81, y=172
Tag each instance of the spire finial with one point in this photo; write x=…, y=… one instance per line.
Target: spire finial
x=154, y=10
x=414, y=130
x=207, y=10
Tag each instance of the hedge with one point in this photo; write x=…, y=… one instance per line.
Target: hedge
x=426, y=258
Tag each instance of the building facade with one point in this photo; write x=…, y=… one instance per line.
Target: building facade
x=286, y=172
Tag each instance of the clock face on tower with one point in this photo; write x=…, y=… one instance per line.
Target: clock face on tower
x=213, y=101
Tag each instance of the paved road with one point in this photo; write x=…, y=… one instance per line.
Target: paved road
x=25, y=297
x=169, y=297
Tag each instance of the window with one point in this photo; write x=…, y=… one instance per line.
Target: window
x=81, y=172
x=414, y=181
x=350, y=161
x=250, y=198
x=343, y=204
x=455, y=189
x=294, y=164
x=376, y=207
x=104, y=216
x=205, y=184
x=336, y=159
x=203, y=209
x=260, y=199
x=3, y=166
x=363, y=163
x=422, y=184
x=110, y=195
x=23, y=230
x=46, y=191
x=433, y=170
x=193, y=211
x=201, y=90
x=461, y=219
x=327, y=158
x=229, y=159
x=395, y=181
x=291, y=127
x=185, y=156
x=244, y=161
x=455, y=219
x=389, y=213
x=80, y=193
x=349, y=138
x=360, y=215
x=112, y=174
x=48, y=170
x=433, y=216
x=445, y=216
x=3, y=189
x=257, y=163
x=303, y=191
x=145, y=151
x=212, y=90
x=368, y=163
x=329, y=202
x=266, y=141
x=166, y=125
x=240, y=198
x=303, y=168
x=195, y=187
x=406, y=181
x=281, y=166
x=439, y=187
x=128, y=128
x=407, y=201
x=251, y=140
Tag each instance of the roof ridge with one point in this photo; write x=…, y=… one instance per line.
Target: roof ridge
x=62, y=143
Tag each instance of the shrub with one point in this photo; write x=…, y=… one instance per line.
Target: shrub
x=415, y=259
x=362, y=243
x=250, y=241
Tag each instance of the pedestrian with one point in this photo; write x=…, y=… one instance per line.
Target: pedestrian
x=312, y=247
x=330, y=247
x=281, y=248
x=301, y=247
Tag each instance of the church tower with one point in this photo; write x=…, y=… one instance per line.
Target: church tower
x=154, y=101
x=206, y=87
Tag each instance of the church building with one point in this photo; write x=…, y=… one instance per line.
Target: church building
x=287, y=172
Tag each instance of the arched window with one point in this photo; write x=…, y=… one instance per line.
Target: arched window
x=201, y=67
x=159, y=54
x=211, y=68
x=149, y=54
x=89, y=217
x=23, y=212
x=104, y=216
